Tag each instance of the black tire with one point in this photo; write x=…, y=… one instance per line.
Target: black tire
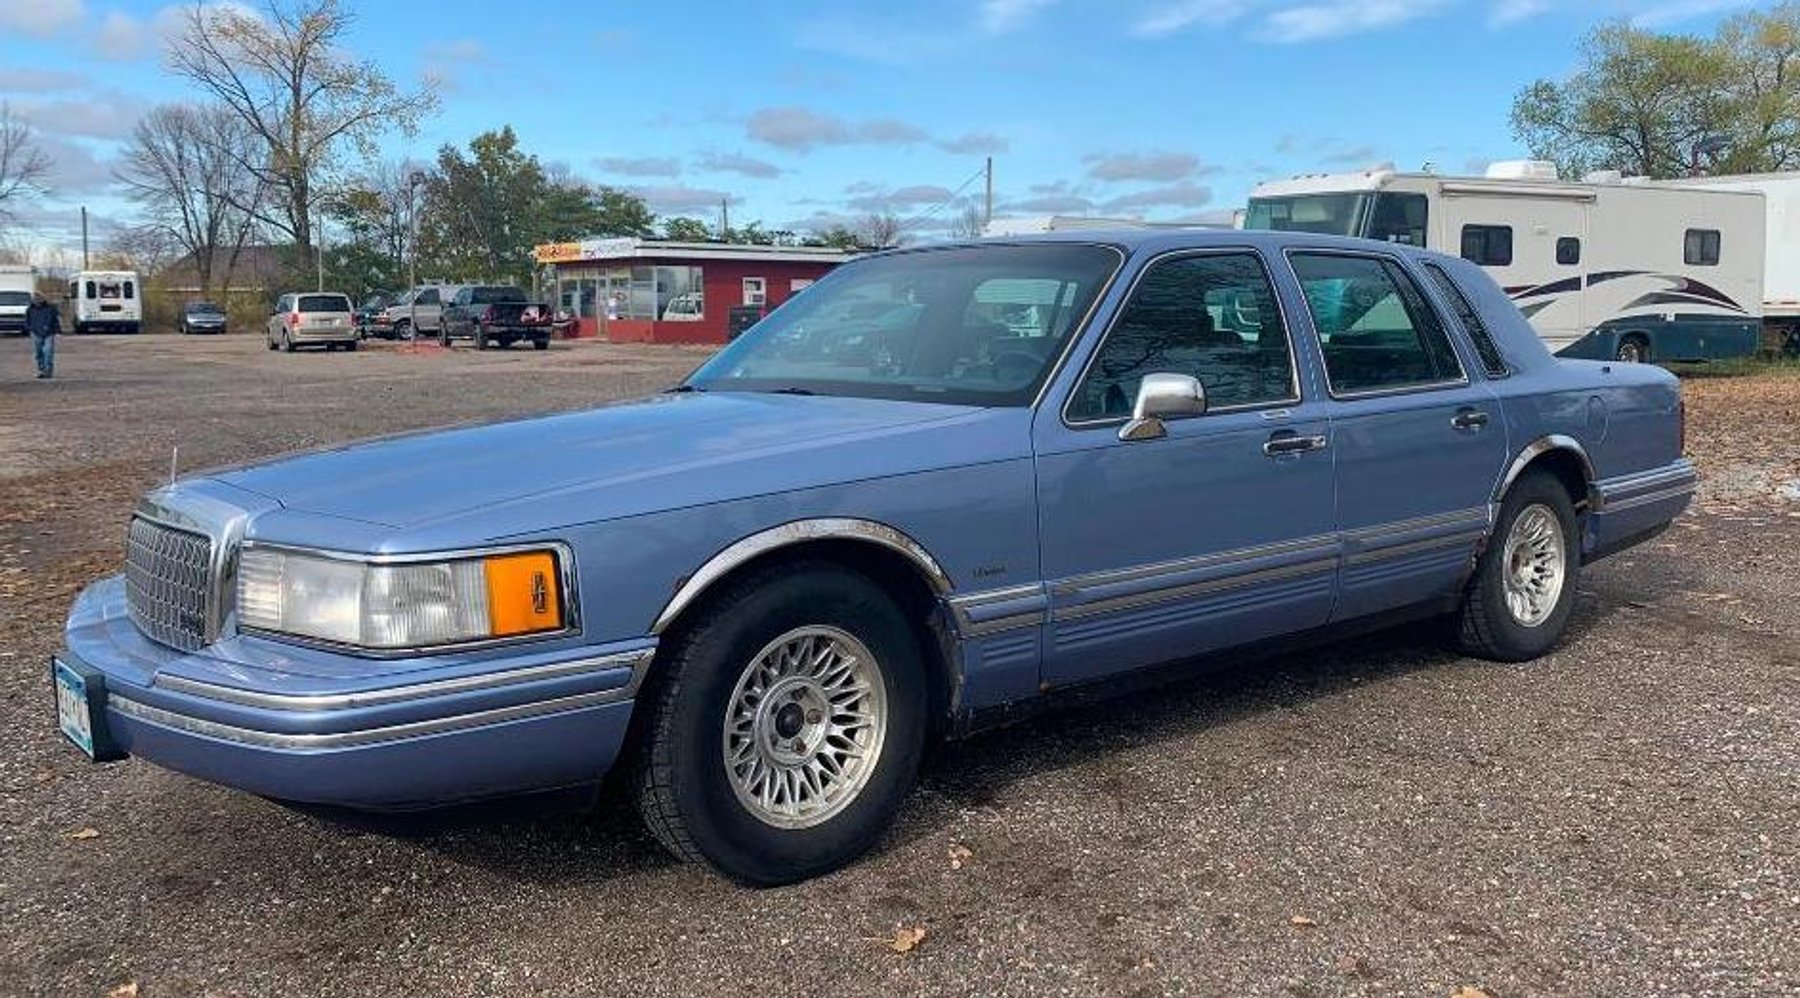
x=443, y=336
x=540, y=344
x=481, y=340
x=287, y=342
x=402, y=330
x=1634, y=349
x=684, y=793
x=351, y=346
x=268, y=340
x=1488, y=627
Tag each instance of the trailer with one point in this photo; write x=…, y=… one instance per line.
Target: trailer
x=1781, y=256
x=1605, y=268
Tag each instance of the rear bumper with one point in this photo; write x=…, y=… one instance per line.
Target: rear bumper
x=532, y=721
x=1630, y=509
x=346, y=334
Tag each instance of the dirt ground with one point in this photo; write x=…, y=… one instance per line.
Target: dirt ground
x=1380, y=817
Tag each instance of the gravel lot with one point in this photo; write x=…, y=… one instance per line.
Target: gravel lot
x=1378, y=817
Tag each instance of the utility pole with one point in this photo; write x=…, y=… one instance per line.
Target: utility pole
x=725, y=219
x=987, y=215
x=84, y=238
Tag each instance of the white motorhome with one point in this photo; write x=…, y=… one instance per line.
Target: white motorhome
x=105, y=301
x=1781, y=257
x=17, y=282
x=1603, y=269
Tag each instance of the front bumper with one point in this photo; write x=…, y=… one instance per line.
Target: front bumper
x=372, y=736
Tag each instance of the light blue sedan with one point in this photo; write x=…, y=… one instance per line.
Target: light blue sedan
x=764, y=590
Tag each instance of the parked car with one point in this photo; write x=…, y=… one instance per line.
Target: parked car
x=312, y=318
x=784, y=575
x=419, y=312
x=202, y=317
x=495, y=315
x=372, y=318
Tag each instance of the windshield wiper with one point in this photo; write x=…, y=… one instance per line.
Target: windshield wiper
x=682, y=389
x=790, y=390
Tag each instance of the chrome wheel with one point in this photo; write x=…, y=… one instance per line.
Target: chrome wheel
x=804, y=727
x=1534, y=565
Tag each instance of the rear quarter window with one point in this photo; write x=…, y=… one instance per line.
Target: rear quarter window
x=1469, y=316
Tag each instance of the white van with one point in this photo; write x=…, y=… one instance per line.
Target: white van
x=16, y=285
x=106, y=301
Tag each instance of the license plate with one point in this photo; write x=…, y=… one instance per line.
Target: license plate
x=72, y=709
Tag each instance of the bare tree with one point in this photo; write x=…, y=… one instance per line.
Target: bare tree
x=146, y=249
x=970, y=223
x=185, y=167
x=282, y=70
x=24, y=167
x=879, y=230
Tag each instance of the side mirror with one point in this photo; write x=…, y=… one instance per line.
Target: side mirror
x=1160, y=397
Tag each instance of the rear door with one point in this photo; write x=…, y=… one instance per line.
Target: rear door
x=1418, y=442
x=1217, y=533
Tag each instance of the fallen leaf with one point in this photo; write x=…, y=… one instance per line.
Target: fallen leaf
x=1302, y=922
x=85, y=833
x=1469, y=991
x=960, y=855
x=127, y=990
x=906, y=939
x=1352, y=966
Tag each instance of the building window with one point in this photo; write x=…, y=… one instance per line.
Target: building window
x=1488, y=245
x=755, y=291
x=799, y=284
x=1701, y=248
x=680, y=294
x=1568, y=251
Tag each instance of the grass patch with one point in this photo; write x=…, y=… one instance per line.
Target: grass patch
x=1738, y=367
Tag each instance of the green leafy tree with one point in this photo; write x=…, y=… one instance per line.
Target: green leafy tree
x=1762, y=52
x=1643, y=103
x=687, y=230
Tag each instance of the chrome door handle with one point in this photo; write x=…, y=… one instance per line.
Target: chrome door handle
x=1469, y=419
x=1290, y=443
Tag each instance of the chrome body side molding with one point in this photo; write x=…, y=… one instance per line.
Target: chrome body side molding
x=1675, y=480
x=1538, y=448
x=800, y=531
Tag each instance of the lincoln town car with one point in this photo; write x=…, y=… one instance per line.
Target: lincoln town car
x=761, y=593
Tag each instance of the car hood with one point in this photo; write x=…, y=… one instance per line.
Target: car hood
x=663, y=452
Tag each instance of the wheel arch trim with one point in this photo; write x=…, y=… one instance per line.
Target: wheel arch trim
x=1538, y=448
x=786, y=535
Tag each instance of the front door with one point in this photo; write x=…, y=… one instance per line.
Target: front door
x=1419, y=443
x=1217, y=533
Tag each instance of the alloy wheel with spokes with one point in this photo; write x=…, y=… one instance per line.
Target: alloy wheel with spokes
x=1533, y=563
x=804, y=727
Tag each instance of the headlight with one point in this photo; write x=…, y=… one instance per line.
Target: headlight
x=389, y=606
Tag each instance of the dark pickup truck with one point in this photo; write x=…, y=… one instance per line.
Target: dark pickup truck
x=495, y=314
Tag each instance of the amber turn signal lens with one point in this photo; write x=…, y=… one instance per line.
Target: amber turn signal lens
x=524, y=593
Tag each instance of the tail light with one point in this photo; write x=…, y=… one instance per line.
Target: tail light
x=487, y=316
x=291, y=319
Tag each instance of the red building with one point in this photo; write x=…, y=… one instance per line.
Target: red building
x=654, y=291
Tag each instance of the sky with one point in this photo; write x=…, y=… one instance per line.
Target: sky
x=805, y=115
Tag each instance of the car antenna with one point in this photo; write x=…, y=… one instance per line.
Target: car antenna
x=174, y=456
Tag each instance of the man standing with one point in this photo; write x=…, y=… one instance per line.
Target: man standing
x=43, y=323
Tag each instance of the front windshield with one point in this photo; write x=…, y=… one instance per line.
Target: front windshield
x=203, y=308
x=1319, y=214
x=974, y=325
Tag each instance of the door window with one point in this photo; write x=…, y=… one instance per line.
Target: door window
x=1376, y=330
x=1213, y=317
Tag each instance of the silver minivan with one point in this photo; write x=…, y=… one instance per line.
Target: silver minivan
x=306, y=318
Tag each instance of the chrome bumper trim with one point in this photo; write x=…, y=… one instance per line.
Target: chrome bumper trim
x=1641, y=488
x=351, y=739
x=638, y=661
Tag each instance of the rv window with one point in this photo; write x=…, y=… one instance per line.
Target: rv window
x=1701, y=248
x=130, y=290
x=1568, y=251
x=1377, y=330
x=91, y=293
x=1485, y=348
x=1488, y=245
x=1399, y=218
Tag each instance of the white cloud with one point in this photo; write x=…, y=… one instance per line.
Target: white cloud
x=801, y=129
x=1664, y=14
x=121, y=37
x=676, y=199
x=1160, y=166
x=1179, y=15
x=20, y=80
x=640, y=166
x=1337, y=18
x=40, y=18
x=1506, y=12
x=998, y=16
x=102, y=115
x=1182, y=195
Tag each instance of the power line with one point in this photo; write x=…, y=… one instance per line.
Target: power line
x=947, y=202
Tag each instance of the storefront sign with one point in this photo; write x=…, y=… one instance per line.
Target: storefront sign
x=586, y=249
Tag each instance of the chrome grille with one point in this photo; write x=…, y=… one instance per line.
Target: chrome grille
x=168, y=574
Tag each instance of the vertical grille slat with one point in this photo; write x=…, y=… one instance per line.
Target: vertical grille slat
x=168, y=574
